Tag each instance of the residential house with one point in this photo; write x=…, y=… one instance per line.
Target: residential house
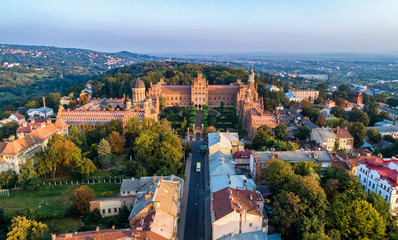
x=260, y=159
x=218, y=182
x=111, y=206
x=40, y=112
x=221, y=164
x=328, y=138
x=14, y=152
x=156, y=211
x=235, y=211
x=305, y=94
x=387, y=130
x=129, y=190
x=242, y=159
x=380, y=176
x=226, y=142
x=17, y=117
x=329, y=104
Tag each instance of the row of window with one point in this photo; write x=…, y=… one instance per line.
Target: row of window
x=115, y=210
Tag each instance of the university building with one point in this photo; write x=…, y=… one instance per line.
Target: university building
x=243, y=97
x=101, y=111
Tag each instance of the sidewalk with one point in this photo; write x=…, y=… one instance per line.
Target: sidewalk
x=207, y=200
x=183, y=207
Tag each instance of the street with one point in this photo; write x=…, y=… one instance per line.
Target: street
x=197, y=221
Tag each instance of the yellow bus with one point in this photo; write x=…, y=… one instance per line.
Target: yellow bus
x=198, y=167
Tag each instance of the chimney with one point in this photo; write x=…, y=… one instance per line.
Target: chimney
x=53, y=236
x=44, y=107
x=97, y=229
x=254, y=189
x=251, y=197
x=113, y=227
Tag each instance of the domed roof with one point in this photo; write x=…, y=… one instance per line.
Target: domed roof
x=138, y=84
x=105, y=102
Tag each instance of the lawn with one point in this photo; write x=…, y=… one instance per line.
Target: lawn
x=57, y=198
x=62, y=225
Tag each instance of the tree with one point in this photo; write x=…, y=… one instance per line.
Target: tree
x=358, y=131
x=288, y=213
x=5, y=222
x=116, y=142
x=338, y=112
x=162, y=102
x=384, y=114
x=358, y=116
x=165, y=126
x=8, y=179
x=211, y=129
x=25, y=229
x=27, y=177
x=277, y=173
x=222, y=106
x=261, y=135
x=77, y=137
x=321, y=121
x=31, y=104
x=357, y=220
x=160, y=153
x=280, y=132
x=60, y=154
x=105, y=153
x=123, y=216
x=53, y=100
x=373, y=135
x=81, y=198
x=307, y=168
x=302, y=132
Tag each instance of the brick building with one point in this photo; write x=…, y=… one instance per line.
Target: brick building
x=100, y=111
x=355, y=97
x=243, y=97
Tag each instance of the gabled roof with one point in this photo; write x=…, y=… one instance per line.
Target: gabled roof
x=105, y=234
x=16, y=146
x=221, y=164
x=18, y=116
x=245, y=154
x=228, y=200
x=233, y=181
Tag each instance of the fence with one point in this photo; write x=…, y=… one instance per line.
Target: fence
x=77, y=182
x=4, y=192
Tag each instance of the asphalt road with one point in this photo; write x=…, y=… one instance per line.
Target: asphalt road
x=197, y=221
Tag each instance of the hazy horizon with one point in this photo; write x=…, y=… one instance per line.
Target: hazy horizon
x=205, y=27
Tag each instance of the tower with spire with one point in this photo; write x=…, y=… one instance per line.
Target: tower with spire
x=251, y=77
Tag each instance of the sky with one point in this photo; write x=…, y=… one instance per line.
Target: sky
x=207, y=27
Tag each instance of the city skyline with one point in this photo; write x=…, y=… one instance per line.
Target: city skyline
x=157, y=27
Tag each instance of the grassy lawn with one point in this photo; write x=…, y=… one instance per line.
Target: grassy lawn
x=57, y=197
x=61, y=225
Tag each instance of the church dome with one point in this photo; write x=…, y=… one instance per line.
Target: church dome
x=138, y=84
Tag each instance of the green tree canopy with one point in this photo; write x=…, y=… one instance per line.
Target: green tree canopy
x=25, y=229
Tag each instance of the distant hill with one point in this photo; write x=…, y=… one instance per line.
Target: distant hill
x=33, y=71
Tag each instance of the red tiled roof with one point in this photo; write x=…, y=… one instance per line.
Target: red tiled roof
x=374, y=161
x=342, y=133
x=223, y=89
x=227, y=199
x=105, y=234
x=18, y=116
x=174, y=89
x=245, y=154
